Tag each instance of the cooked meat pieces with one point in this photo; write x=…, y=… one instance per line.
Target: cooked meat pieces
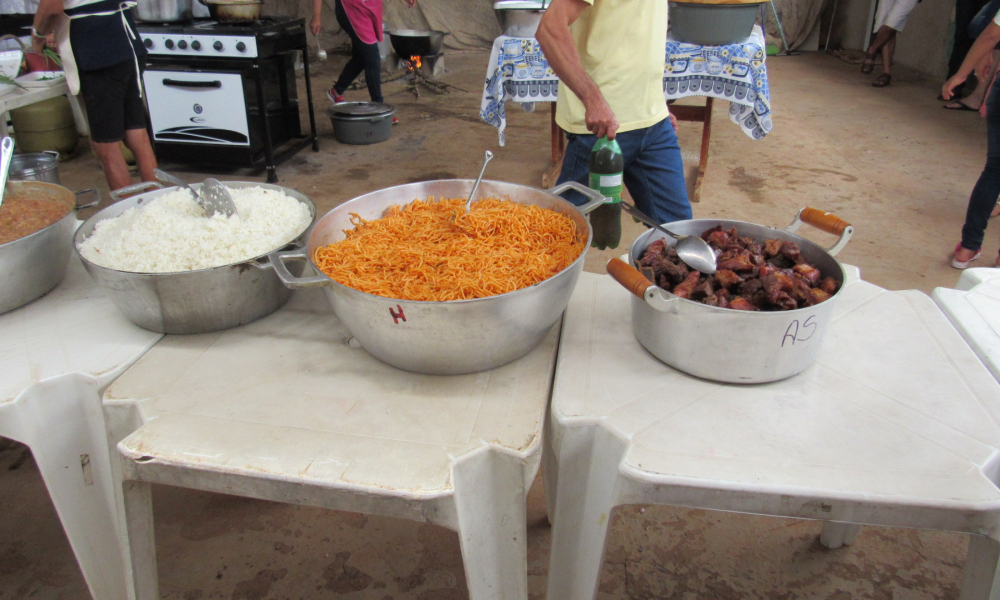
x=752, y=274
x=684, y=288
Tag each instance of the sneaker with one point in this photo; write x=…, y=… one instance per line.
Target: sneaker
x=960, y=264
x=333, y=96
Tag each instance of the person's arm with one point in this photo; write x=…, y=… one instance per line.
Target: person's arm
x=560, y=50
x=45, y=22
x=983, y=46
x=317, y=17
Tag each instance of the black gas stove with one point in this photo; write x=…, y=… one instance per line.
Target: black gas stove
x=225, y=94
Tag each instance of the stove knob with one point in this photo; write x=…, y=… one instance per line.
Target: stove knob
x=169, y=44
x=241, y=46
x=182, y=45
x=217, y=46
x=196, y=45
x=148, y=43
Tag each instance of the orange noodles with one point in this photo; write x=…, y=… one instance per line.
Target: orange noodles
x=434, y=250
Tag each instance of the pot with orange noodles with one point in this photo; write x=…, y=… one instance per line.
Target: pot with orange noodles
x=426, y=288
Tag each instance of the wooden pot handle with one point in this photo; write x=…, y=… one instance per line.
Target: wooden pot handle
x=628, y=276
x=824, y=221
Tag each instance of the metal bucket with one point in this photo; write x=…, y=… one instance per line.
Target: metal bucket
x=34, y=264
x=445, y=338
x=191, y=301
x=728, y=345
x=37, y=166
x=361, y=123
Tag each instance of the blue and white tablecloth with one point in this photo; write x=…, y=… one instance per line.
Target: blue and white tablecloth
x=518, y=71
x=735, y=73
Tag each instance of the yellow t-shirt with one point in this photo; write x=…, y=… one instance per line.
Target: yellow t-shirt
x=622, y=45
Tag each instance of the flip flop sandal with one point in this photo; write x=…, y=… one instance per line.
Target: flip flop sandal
x=868, y=65
x=882, y=80
x=961, y=106
x=996, y=210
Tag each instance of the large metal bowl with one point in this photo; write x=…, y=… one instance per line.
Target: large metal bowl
x=192, y=301
x=445, y=338
x=32, y=265
x=728, y=345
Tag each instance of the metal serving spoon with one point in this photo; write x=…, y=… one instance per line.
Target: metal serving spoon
x=472, y=195
x=6, y=153
x=216, y=198
x=694, y=251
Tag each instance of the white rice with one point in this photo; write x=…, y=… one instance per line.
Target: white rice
x=171, y=233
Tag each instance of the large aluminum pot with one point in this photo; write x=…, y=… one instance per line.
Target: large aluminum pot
x=723, y=344
x=163, y=11
x=191, y=301
x=33, y=265
x=36, y=166
x=520, y=18
x=416, y=42
x=445, y=338
x=234, y=11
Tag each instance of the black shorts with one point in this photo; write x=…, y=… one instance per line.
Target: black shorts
x=111, y=96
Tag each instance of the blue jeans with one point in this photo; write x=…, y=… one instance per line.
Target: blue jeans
x=654, y=171
x=983, y=18
x=984, y=195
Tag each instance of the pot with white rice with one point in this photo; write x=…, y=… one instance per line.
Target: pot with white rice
x=171, y=269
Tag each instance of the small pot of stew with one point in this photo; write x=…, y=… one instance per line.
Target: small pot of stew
x=37, y=221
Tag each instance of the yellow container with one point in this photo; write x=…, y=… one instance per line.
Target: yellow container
x=45, y=125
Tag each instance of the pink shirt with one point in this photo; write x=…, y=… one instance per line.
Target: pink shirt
x=366, y=18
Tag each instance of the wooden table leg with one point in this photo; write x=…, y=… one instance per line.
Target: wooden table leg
x=698, y=114
x=551, y=174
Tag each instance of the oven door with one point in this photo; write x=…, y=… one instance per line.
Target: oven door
x=197, y=107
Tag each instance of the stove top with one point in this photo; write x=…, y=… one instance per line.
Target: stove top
x=207, y=39
x=262, y=26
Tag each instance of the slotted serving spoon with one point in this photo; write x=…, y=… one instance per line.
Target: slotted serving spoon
x=6, y=153
x=211, y=204
x=216, y=198
x=694, y=251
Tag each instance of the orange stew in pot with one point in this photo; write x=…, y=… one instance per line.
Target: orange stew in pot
x=20, y=217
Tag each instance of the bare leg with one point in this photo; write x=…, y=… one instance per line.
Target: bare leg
x=884, y=35
x=137, y=141
x=887, y=50
x=113, y=163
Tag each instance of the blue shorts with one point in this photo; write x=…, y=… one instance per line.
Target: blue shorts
x=654, y=171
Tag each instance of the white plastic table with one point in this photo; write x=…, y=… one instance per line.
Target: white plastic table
x=56, y=356
x=288, y=409
x=974, y=309
x=895, y=424
x=24, y=97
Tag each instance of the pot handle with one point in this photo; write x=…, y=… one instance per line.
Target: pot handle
x=129, y=190
x=94, y=202
x=596, y=197
x=291, y=281
x=51, y=153
x=635, y=282
x=824, y=221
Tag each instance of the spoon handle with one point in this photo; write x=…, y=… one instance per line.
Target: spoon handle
x=6, y=153
x=487, y=158
x=638, y=214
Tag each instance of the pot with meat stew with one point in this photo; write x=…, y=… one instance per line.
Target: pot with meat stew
x=454, y=336
x=760, y=318
x=36, y=232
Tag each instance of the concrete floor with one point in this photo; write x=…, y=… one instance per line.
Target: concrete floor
x=890, y=161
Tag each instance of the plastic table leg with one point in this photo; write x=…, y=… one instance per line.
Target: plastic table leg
x=982, y=567
x=491, y=490
x=588, y=490
x=837, y=534
x=61, y=421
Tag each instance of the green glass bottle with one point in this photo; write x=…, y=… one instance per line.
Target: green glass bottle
x=606, y=166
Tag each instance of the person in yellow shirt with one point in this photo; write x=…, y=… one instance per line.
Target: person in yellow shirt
x=609, y=57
